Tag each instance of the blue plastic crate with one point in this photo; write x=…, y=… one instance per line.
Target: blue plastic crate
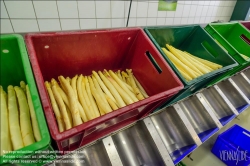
x=233, y=146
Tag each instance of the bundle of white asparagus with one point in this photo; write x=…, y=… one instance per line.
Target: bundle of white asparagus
x=19, y=127
x=82, y=98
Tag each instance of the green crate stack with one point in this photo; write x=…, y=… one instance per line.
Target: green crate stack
x=235, y=39
x=15, y=67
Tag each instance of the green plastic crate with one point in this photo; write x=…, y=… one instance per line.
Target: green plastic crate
x=236, y=40
x=196, y=41
x=15, y=67
x=180, y=164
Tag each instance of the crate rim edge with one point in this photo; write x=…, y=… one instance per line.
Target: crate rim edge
x=55, y=134
x=45, y=141
x=243, y=23
x=51, y=33
x=188, y=83
x=215, y=31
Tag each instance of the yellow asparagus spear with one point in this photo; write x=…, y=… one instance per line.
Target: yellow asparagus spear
x=103, y=104
x=66, y=101
x=123, y=86
x=25, y=123
x=73, y=84
x=184, y=59
x=118, y=73
x=113, y=90
x=206, y=62
x=35, y=126
x=62, y=107
x=55, y=107
x=23, y=86
x=5, y=143
x=123, y=94
x=103, y=86
x=135, y=88
x=72, y=101
x=64, y=98
x=15, y=131
x=202, y=67
x=100, y=92
x=81, y=93
x=91, y=98
x=111, y=103
x=144, y=93
x=175, y=60
x=69, y=80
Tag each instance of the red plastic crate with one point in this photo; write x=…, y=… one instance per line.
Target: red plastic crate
x=80, y=52
x=246, y=24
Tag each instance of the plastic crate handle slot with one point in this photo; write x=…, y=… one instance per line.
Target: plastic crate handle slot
x=153, y=61
x=209, y=49
x=245, y=39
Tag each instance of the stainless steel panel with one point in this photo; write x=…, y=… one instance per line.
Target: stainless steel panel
x=172, y=129
x=136, y=147
x=112, y=151
x=187, y=124
x=242, y=84
x=219, y=105
x=209, y=109
x=226, y=99
x=158, y=142
x=232, y=94
x=94, y=155
x=247, y=73
x=197, y=114
x=245, y=77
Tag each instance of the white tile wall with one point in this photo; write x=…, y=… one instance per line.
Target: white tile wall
x=141, y=21
x=142, y=9
x=70, y=24
x=117, y=9
x=88, y=23
x=25, y=25
x=118, y=22
x=103, y=9
x=103, y=23
x=152, y=9
x=186, y=11
x=49, y=24
x=179, y=10
x=56, y=15
x=20, y=9
x=46, y=9
x=151, y=21
x=4, y=13
x=160, y=21
x=67, y=9
x=193, y=9
x=177, y=21
x=86, y=9
x=6, y=26
x=132, y=22
x=169, y=21
x=133, y=10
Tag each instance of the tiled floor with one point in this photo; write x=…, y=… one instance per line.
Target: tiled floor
x=203, y=157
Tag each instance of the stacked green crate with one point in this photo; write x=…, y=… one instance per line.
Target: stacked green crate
x=235, y=39
x=15, y=67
